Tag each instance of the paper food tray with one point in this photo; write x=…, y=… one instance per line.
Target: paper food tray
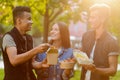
x=81, y=57
x=67, y=65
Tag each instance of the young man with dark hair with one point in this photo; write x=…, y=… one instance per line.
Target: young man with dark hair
x=17, y=47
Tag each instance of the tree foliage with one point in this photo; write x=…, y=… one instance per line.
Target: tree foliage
x=47, y=12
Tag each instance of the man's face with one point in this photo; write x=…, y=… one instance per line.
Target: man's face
x=94, y=20
x=26, y=22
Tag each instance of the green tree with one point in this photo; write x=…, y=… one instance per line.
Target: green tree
x=44, y=12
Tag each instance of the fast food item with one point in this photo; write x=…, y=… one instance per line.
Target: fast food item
x=52, y=56
x=66, y=64
x=81, y=57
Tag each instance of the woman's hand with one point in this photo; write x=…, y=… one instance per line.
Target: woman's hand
x=67, y=72
x=44, y=63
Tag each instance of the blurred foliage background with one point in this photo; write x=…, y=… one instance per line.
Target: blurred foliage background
x=47, y=12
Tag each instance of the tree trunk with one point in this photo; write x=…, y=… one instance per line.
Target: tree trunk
x=46, y=25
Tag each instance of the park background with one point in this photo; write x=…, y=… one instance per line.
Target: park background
x=46, y=12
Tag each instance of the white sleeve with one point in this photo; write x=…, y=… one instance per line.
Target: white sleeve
x=8, y=41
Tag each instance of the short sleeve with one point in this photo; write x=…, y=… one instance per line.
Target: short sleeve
x=113, y=48
x=8, y=41
x=66, y=53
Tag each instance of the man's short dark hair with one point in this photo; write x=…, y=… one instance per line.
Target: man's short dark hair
x=18, y=11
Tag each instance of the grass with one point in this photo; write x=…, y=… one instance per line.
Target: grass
x=116, y=77
x=76, y=75
x=1, y=74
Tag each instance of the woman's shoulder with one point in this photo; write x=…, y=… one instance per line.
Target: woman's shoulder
x=68, y=50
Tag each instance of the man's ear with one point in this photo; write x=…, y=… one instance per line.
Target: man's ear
x=18, y=21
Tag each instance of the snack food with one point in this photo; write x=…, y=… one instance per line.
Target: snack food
x=66, y=64
x=52, y=50
x=81, y=57
x=52, y=56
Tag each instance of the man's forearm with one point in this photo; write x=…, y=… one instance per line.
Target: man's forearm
x=106, y=71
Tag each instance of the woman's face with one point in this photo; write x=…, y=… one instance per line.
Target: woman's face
x=55, y=32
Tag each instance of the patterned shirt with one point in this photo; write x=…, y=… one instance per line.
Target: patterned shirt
x=54, y=72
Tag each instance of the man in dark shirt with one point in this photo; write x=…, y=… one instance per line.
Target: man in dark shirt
x=17, y=47
x=100, y=46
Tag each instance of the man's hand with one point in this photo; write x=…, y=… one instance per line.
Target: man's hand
x=90, y=67
x=43, y=47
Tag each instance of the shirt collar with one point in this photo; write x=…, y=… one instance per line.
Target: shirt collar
x=104, y=34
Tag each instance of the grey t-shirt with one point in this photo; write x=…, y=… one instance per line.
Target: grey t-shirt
x=8, y=42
